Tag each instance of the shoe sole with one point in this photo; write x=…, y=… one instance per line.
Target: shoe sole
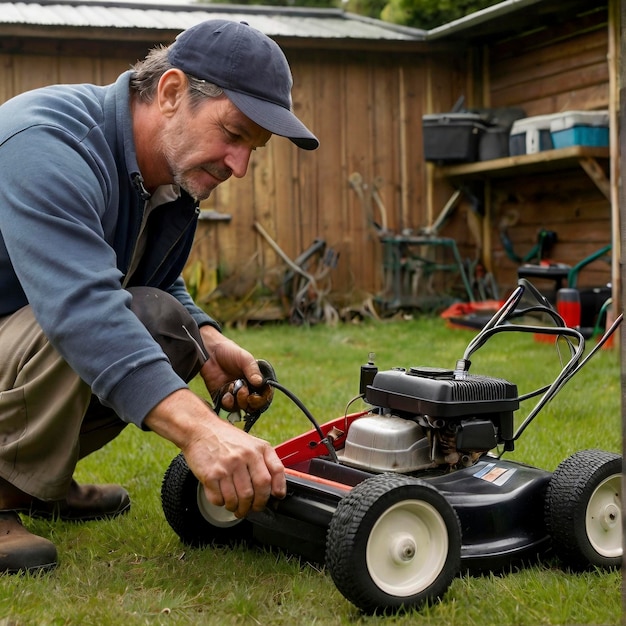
x=77, y=518
x=33, y=571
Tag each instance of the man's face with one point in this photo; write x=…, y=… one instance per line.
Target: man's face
x=207, y=144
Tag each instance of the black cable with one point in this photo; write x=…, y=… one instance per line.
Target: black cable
x=309, y=415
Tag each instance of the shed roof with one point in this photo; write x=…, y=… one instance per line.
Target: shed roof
x=161, y=20
x=513, y=16
x=282, y=22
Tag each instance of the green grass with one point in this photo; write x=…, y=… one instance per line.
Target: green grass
x=134, y=571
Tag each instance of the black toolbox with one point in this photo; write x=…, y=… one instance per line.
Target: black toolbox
x=452, y=137
x=468, y=135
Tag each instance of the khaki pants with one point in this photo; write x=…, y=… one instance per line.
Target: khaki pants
x=48, y=417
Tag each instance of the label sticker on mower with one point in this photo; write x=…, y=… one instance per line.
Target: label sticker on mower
x=496, y=475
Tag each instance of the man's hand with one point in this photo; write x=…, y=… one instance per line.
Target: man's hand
x=237, y=470
x=227, y=363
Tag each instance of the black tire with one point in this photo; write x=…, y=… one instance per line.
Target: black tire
x=393, y=543
x=196, y=521
x=583, y=510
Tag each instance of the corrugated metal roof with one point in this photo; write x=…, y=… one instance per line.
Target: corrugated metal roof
x=273, y=21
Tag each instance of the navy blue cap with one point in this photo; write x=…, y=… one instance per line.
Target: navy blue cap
x=250, y=68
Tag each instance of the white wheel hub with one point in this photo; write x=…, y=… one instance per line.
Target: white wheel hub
x=603, y=520
x=407, y=548
x=218, y=516
x=402, y=548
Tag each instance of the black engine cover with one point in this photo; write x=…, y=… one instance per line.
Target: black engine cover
x=437, y=393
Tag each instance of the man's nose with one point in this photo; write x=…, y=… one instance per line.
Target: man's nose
x=237, y=160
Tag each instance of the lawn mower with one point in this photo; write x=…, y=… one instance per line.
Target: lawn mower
x=398, y=499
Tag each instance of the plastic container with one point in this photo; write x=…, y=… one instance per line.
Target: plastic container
x=580, y=128
x=568, y=306
x=452, y=137
x=592, y=301
x=493, y=143
x=530, y=135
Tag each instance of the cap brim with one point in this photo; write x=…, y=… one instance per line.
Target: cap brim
x=275, y=118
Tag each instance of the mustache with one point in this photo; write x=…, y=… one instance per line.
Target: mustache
x=221, y=173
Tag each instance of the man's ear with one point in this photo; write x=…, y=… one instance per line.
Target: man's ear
x=171, y=91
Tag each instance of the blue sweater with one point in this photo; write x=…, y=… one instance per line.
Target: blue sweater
x=71, y=202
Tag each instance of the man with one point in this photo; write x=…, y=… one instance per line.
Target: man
x=98, y=207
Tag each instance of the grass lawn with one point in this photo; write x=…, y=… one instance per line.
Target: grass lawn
x=134, y=570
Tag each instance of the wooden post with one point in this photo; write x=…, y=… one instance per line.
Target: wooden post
x=615, y=83
x=617, y=11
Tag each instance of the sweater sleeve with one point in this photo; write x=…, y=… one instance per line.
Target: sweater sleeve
x=56, y=188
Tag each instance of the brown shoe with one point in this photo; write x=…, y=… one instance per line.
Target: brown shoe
x=83, y=503
x=20, y=550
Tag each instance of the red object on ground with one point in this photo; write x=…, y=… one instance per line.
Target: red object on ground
x=568, y=306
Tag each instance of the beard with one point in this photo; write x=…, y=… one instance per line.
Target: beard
x=185, y=175
x=186, y=180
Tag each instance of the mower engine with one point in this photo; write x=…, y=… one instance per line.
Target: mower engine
x=424, y=418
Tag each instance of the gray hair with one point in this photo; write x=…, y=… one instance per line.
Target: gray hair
x=148, y=72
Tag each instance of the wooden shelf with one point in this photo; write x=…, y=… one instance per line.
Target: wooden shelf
x=548, y=160
x=484, y=172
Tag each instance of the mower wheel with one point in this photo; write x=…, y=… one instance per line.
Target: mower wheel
x=583, y=510
x=394, y=542
x=192, y=517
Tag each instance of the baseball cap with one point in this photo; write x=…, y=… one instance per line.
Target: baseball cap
x=250, y=68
